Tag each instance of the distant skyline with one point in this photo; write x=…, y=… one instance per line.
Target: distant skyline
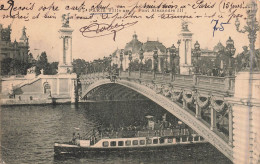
x=44, y=36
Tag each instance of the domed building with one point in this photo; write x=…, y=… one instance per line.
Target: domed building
x=132, y=50
x=134, y=45
x=218, y=48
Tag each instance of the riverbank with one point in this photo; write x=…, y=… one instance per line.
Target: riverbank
x=14, y=102
x=34, y=99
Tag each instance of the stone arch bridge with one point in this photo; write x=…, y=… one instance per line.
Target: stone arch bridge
x=190, y=98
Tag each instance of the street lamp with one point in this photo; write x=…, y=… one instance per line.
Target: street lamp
x=130, y=60
x=155, y=61
x=173, y=54
x=110, y=62
x=141, y=57
x=196, y=54
x=230, y=51
x=252, y=27
x=121, y=60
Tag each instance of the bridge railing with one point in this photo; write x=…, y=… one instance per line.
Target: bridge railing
x=201, y=81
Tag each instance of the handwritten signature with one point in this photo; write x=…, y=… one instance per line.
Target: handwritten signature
x=102, y=29
x=216, y=27
x=117, y=24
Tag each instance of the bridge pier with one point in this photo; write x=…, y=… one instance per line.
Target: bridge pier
x=246, y=117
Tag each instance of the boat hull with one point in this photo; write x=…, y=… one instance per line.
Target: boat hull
x=62, y=149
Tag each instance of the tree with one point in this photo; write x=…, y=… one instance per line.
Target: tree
x=52, y=68
x=79, y=66
x=6, y=66
x=147, y=65
x=135, y=65
x=42, y=63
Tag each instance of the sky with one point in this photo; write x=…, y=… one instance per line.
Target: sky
x=44, y=36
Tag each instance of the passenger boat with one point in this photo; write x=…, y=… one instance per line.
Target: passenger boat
x=142, y=141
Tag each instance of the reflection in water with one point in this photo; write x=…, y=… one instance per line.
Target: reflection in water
x=28, y=133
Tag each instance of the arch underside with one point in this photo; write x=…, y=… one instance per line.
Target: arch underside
x=199, y=125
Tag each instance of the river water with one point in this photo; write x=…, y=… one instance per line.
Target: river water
x=28, y=133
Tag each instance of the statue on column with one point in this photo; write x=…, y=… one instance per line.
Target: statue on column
x=184, y=25
x=65, y=20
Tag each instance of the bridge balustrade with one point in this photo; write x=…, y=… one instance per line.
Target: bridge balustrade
x=220, y=84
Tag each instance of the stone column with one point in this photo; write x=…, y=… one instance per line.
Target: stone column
x=213, y=118
x=198, y=110
x=159, y=64
x=184, y=104
x=72, y=90
x=58, y=86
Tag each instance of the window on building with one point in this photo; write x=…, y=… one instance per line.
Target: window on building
x=142, y=142
x=148, y=141
x=155, y=141
x=113, y=143
x=128, y=143
x=120, y=143
x=105, y=144
x=190, y=138
x=135, y=142
x=161, y=140
x=170, y=140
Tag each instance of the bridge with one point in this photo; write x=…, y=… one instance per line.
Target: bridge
x=204, y=103
x=179, y=95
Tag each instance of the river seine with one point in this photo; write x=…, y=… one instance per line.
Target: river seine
x=28, y=134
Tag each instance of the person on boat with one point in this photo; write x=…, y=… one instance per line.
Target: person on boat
x=73, y=138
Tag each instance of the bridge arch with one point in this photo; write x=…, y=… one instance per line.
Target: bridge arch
x=174, y=108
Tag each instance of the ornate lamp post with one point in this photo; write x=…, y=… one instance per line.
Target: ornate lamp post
x=155, y=61
x=252, y=27
x=173, y=54
x=230, y=51
x=141, y=56
x=121, y=61
x=130, y=60
x=196, y=54
x=110, y=62
x=178, y=57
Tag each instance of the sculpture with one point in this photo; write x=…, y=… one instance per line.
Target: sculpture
x=184, y=25
x=65, y=20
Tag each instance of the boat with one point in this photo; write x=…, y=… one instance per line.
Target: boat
x=141, y=141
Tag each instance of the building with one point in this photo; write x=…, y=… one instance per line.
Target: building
x=14, y=50
x=185, y=54
x=132, y=50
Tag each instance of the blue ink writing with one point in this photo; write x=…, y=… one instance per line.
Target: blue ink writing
x=216, y=27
